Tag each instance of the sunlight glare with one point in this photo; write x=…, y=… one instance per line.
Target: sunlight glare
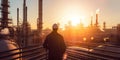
x=97, y=11
x=75, y=21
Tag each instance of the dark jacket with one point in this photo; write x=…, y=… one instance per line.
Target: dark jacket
x=54, y=42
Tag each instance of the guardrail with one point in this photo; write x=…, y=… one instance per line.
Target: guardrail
x=77, y=53
x=35, y=52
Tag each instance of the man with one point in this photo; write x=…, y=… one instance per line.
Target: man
x=55, y=44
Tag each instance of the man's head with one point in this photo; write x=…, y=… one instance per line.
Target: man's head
x=55, y=27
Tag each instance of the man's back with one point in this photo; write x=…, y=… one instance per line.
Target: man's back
x=55, y=42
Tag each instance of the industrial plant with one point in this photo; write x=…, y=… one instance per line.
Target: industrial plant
x=20, y=42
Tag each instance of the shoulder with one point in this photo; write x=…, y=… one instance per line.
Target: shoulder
x=60, y=35
x=49, y=35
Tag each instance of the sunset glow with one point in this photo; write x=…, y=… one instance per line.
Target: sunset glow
x=55, y=10
x=75, y=21
x=59, y=29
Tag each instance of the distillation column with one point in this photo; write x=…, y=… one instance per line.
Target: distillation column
x=4, y=19
x=39, y=21
x=25, y=25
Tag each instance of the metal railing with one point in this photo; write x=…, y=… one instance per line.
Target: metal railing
x=35, y=52
x=93, y=54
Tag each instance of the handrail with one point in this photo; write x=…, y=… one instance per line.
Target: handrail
x=17, y=49
x=2, y=53
x=82, y=54
x=30, y=52
x=36, y=52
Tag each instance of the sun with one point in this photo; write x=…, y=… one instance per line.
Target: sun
x=75, y=21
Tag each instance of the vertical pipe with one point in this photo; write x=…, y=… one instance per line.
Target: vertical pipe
x=24, y=9
x=24, y=24
x=40, y=10
x=39, y=16
x=26, y=14
x=104, y=25
x=17, y=17
x=39, y=21
x=91, y=21
x=96, y=19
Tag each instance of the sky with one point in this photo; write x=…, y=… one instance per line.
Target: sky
x=62, y=11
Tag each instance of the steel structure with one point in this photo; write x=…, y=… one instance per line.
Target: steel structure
x=24, y=26
x=39, y=21
x=5, y=21
x=4, y=14
x=97, y=16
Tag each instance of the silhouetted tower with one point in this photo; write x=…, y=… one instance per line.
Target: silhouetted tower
x=118, y=34
x=4, y=20
x=97, y=16
x=24, y=12
x=18, y=30
x=91, y=21
x=18, y=17
x=39, y=21
x=104, y=25
x=96, y=20
x=25, y=25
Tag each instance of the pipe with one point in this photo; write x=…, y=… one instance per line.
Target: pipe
x=17, y=17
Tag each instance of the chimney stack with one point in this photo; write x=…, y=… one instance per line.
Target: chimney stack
x=96, y=19
x=24, y=11
x=104, y=25
x=39, y=21
x=91, y=21
x=97, y=14
x=26, y=14
x=17, y=17
x=25, y=24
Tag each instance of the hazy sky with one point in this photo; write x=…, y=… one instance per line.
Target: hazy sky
x=55, y=11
